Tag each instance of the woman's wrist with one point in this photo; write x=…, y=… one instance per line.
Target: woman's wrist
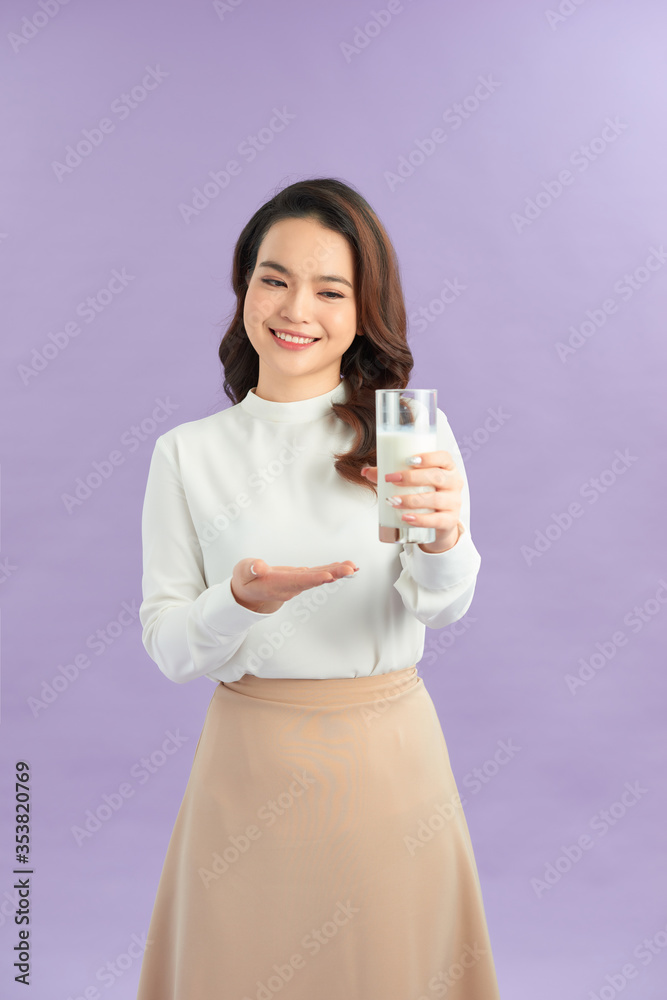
x=444, y=545
x=260, y=607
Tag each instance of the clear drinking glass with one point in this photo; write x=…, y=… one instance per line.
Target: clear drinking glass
x=406, y=424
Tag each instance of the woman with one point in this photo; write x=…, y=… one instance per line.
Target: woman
x=320, y=851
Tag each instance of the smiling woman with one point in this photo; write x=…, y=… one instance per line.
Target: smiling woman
x=301, y=308
x=320, y=850
x=316, y=261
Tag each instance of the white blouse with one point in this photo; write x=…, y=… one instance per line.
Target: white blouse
x=257, y=479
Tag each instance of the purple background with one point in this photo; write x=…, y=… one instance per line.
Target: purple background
x=493, y=347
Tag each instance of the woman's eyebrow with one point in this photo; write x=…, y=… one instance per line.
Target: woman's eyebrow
x=316, y=277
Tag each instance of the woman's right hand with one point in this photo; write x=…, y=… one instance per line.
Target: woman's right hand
x=269, y=587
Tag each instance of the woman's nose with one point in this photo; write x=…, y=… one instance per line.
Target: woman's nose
x=295, y=305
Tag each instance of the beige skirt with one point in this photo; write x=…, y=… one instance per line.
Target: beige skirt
x=320, y=852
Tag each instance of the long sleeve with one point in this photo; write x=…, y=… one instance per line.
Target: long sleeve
x=438, y=587
x=189, y=629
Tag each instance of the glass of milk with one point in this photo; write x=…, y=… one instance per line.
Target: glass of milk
x=406, y=424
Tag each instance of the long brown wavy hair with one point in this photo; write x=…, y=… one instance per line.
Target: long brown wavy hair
x=381, y=358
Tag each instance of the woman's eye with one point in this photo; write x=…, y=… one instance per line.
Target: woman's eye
x=276, y=281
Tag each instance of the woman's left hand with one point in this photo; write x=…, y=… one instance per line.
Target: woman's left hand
x=436, y=469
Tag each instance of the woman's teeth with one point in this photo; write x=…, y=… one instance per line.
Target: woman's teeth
x=294, y=340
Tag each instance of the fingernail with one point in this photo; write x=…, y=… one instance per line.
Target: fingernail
x=394, y=501
x=415, y=460
x=252, y=569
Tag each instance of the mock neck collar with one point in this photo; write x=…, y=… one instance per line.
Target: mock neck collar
x=297, y=411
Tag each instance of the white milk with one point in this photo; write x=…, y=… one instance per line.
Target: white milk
x=393, y=448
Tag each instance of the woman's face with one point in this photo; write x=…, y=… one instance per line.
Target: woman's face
x=303, y=283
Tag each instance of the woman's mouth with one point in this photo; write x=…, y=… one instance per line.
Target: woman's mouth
x=291, y=343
